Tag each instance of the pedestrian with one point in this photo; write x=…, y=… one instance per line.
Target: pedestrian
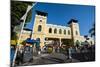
x=19, y=56
x=70, y=52
x=12, y=52
x=58, y=49
x=44, y=49
x=28, y=53
x=53, y=49
x=21, y=52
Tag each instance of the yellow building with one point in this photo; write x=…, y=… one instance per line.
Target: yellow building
x=45, y=32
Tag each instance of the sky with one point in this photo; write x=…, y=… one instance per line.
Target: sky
x=60, y=14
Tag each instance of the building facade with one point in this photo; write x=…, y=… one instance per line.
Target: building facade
x=69, y=35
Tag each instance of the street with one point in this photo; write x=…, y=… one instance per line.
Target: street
x=53, y=58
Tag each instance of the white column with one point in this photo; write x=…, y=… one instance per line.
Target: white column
x=60, y=41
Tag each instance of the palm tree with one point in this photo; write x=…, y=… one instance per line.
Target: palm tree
x=92, y=31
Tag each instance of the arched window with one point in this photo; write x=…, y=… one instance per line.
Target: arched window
x=50, y=30
x=64, y=31
x=40, y=20
x=76, y=33
x=55, y=31
x=39, y=28
x=68, y=32
x=60, y=31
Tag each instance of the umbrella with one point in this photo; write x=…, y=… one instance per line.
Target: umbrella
x=29, y=40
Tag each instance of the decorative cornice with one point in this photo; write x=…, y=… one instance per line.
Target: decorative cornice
x=57, y=26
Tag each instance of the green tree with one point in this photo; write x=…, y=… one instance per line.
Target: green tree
x=18, y=9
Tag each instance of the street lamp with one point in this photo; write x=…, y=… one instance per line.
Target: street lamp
x=22, y=20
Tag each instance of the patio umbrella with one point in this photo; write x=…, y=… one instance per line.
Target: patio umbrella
x=29, y=40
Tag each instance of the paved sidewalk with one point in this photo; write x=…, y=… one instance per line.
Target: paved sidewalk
x=53, y=58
